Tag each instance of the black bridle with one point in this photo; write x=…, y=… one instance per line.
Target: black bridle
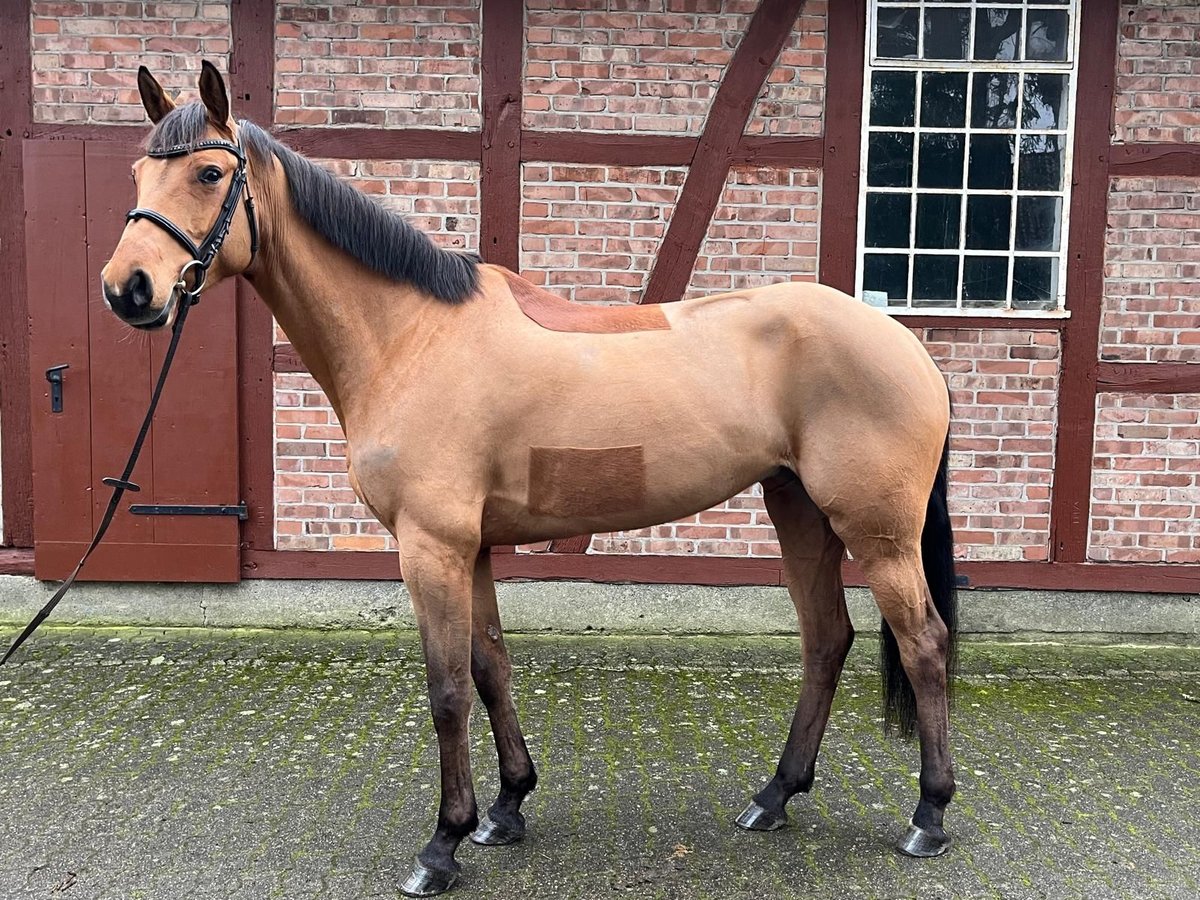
x=197, y=267
x=205, y=253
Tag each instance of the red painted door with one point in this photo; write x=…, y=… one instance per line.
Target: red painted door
x=76, y=196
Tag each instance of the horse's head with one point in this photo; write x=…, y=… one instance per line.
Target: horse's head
x=193, y=224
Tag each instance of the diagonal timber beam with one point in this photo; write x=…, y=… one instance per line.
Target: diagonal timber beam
x=747, y=72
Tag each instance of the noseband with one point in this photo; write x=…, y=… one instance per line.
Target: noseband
x=204, y=254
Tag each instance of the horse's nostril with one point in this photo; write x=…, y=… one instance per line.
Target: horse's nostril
x=140, y=290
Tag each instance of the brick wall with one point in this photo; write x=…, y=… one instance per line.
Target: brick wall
x=1158, y=73
x=1146, y=479
x=1145, y=486
x=1004, y=387
x=793, y=101
x=591, y=232
x=764, y=230
x=86, y=54
x=315, y=507
x=1152, y=271
x=403, y=64
x=655, y=66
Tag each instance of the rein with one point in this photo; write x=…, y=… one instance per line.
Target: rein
x=197, y=267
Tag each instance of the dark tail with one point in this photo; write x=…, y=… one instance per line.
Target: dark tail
x=937, y=554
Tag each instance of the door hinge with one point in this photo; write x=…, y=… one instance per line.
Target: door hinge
x=176, y=509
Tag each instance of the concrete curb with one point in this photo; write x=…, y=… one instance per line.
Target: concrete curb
x=585, y=607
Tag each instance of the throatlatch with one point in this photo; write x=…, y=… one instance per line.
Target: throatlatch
x=196, y=268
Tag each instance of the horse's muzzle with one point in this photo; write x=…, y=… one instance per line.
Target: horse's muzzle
x=132, y=302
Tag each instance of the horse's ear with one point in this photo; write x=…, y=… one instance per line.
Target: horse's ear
x=157, y=103
x=214, y=95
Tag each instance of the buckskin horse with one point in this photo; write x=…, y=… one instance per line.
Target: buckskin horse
x=481, y=411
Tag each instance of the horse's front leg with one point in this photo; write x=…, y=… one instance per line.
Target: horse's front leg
x=438, y=573
x=492, y=670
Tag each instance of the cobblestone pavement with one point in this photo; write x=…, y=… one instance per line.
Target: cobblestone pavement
x=192, y=764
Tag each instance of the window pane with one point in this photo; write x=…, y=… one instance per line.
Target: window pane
x=997, y=33
x=1035, y=282
x=1044, y=105
x=1038, y=221
x=991, y=166
x=893, y=98
x=968, y=133
x=985, y=280
x=946, y=33
x=941, y=161
x=938, y=220
x=988, y=219
x=944, y=99
x=889, y=159
x=1041, y=166
x=886, y=273
x=888, y=220
x=936, y=278
x=896, y=34
x=1046, y=34
x=994, y=100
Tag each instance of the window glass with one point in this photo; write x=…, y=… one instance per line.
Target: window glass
x=888, y=219
x=966, y=189
x=893, y=98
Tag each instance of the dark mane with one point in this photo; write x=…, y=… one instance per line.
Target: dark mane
x=349, y=219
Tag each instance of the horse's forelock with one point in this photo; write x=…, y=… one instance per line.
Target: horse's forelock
x=183, y=125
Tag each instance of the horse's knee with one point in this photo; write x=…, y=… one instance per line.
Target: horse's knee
x=449, y=703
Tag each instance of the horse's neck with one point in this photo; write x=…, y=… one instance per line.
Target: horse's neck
x=338, y=315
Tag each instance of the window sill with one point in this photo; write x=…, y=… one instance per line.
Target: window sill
x=1015, y=315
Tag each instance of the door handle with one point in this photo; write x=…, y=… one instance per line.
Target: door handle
x=54, y=375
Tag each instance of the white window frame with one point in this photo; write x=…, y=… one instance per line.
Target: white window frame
x=873, y=63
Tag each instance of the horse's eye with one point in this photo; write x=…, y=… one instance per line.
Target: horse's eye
x=209, y=175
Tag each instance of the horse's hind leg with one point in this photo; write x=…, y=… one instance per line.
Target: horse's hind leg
x=492, y=672
x=898, y=583
x=812, y=561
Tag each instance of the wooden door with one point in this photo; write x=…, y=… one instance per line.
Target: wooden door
x=76, y=196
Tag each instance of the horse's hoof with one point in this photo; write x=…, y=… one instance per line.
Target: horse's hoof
x=755, y=818
x=491, y=833
x=923, y=843
x=423, y=881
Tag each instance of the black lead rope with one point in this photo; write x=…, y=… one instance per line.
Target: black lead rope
x=202, y=257
x=119, y=485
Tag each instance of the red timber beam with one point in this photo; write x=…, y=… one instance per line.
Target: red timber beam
x=501, y=77
x=1154, y=159
x=1148, y=378
x=845, y=55
x=252, y=84
x=16, y=118
x=728, y=571
x=769, y=30
x=1071, y=495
